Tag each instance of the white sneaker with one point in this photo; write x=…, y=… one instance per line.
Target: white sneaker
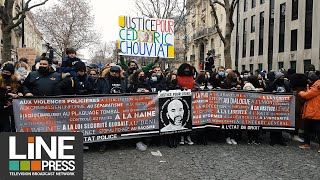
x=234, y=142
x=85, y=147
x=228, y=140
x=189, y=141
x=182, y=140
x=141, y=147
x=297, y=138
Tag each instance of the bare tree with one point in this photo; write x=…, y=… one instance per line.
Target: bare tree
x=226, y=39
x=12, y=15
x=103, y=52
x=68, y=23
x=163, y=9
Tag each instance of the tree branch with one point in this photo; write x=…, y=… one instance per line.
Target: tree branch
x=217, y=23
x=218, y=2
x=27, y=8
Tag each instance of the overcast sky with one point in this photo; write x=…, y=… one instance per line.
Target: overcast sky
x=106, y=14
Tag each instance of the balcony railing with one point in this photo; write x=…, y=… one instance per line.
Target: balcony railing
x=204, y=32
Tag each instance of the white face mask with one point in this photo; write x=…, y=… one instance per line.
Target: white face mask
x=154, y=79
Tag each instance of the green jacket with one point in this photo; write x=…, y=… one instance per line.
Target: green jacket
x=145, y=69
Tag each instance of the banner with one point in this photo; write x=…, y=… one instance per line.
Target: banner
x=98, y=118
x=175, y=111
x=147, y=37
x=29, y=53
x=130, y=116
x=243, y=110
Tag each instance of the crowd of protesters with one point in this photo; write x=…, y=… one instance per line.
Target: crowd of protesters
x=73, y=77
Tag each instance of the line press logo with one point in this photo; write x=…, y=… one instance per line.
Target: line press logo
x=41, y=155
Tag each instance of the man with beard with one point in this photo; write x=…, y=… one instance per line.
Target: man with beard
x=112, y=83
x=174, y=114
x=43, y=81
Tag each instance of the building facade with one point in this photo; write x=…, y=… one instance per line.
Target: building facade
x=275, y=34
x=32, y=37
x=201, y=33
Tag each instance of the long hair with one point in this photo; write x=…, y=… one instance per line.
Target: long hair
x=201, y=78
x=134, y=76
x=14, y=83
x=253, y=79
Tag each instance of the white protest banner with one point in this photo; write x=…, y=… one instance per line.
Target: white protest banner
x=147, y=37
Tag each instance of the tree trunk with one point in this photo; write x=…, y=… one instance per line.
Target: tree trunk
x=227, y=45
x=6, y=53
x=227, y=54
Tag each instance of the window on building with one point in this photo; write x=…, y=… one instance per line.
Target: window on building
x=244, y=43
x=243, y=68
x=261, y=1
x=306, y=64
x=245, y=5
x=270, y=35
x=280, y=65
x=261, y=33
x=293, y=65
x=260, y=67
x=295, y=9
x=253, y=26
x=251, y=48
x=308, y=25
x=282, y=26
x=251, y=68
x=253, y=3
x=294, y=40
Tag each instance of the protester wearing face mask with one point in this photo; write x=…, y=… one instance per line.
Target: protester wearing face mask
x=185, y=76
x=43, y=81
x=10, y=88
x=219, y=77
x=22, y=70
x=278, y=86
x=112, y=83
x=311, y=113
x=139, y=83
x=156, y=81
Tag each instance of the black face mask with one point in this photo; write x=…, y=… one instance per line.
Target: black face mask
x=186, y=72
x=6, y=77
x=132, y=69
x=112, y=78
x=280, y=80
x=142, y=79
x=174, y=82
x=234, y=79
x=43, y=70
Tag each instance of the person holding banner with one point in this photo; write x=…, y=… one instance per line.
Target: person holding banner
x=112, y=83
x=81, y=84
x=139, y=84
x=279, y=85
x=185, y=81
x=43, y=81
x=132, y=66
x=9, y=89
x=311, y=113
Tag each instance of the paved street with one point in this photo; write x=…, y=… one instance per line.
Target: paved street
x=214, y=161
